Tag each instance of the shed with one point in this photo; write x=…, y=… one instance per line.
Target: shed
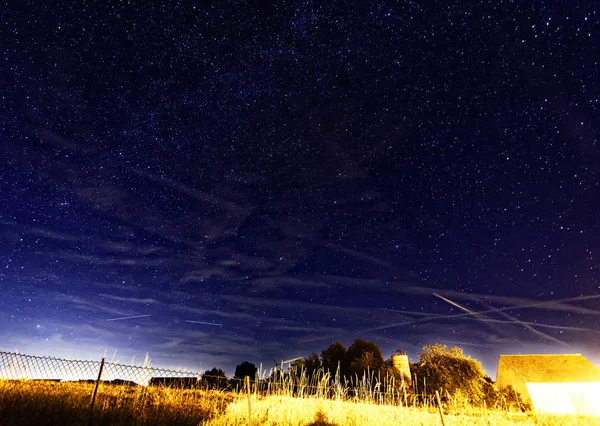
x=554, y=384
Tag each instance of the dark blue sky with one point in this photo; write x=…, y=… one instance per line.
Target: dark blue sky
x=253, y=180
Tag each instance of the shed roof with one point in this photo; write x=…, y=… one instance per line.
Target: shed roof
x=550, y=368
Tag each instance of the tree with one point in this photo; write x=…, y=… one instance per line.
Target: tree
x=510, y=399
x=309, y=366
x=450, y=371
x=334, y=356
x=245, y=369
x=503, y=398
x=312, y=364
x=215, y=379
x=362, y=356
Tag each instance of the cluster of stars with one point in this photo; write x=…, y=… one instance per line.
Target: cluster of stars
x=210, y=163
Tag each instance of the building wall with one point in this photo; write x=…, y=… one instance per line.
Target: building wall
x=566, y=398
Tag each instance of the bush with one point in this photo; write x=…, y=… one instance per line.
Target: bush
x=215, y=379
x=449, y=371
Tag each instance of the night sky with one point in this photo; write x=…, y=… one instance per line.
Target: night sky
x=216, y=182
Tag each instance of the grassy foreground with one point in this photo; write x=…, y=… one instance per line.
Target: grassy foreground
x=52, y=403
x=47, y=403
x=290, y=411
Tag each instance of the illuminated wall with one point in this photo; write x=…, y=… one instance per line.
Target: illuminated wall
x=566, y=398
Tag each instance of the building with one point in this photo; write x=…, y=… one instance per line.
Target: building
x=553, y=384
x=402, y=366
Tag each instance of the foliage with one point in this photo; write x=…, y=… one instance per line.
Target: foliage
x=490, y=392
x=312, y=364
x=309, y=366
x=449, y=371
x=245, y=369
x=334, y=356
x=215, y=379
x=503, y=398
x=362, y=356
x=511, y=399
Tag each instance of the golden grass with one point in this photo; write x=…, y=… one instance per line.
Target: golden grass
x=48, y=403
x=292, y=411
x=52, y=403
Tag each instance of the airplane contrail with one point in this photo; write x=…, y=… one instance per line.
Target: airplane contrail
x=531, y=304
x=205, y=323
x=521, y=304
x=475, y=315
x=517, y=302
x=485, y=319
x=536, y=324
x=527, y=326
x=126, y=318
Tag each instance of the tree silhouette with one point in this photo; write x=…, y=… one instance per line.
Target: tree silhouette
x=245, y=369
x=309, y=365
x=363, y=355
x=312, y=364
x=215, y=379
x=333, y=356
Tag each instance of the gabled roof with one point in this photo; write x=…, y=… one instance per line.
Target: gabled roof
x=550, y=368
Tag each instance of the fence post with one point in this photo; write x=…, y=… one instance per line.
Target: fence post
x=439, y=403
x=247, y=380
x=94, y=394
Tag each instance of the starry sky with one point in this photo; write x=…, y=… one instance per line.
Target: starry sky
x=216, y=182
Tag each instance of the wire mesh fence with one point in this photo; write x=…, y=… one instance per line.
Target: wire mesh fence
x=16, y=366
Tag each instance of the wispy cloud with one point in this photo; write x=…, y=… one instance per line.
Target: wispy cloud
x=197, y=194
x=277, y=282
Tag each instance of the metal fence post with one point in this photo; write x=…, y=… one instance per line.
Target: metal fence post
x=95, y=391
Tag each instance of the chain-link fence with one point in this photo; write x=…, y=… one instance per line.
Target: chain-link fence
x=15, y=366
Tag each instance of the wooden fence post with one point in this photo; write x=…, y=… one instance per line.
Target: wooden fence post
x=247, y=379
x=95, y=392
x=439, y=403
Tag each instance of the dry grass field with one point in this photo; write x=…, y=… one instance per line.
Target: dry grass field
x=53, y=403
x=291, y=411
